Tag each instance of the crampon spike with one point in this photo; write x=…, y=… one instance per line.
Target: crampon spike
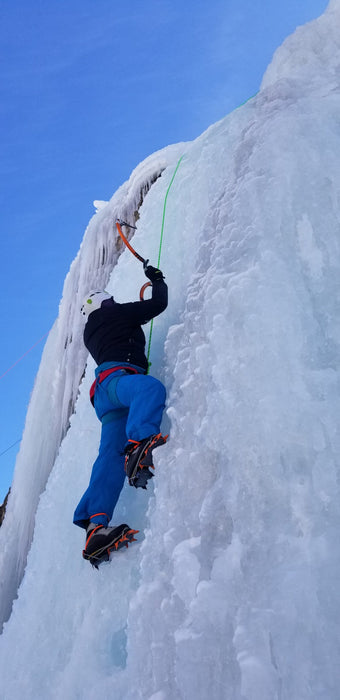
x=102, y=555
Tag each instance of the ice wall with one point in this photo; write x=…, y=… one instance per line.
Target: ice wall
x=310, y=56
x=232, y=591
x=62, y=366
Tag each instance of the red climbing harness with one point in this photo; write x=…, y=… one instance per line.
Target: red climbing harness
x=105, y=373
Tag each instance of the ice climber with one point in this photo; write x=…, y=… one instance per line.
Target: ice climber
x=128, y=402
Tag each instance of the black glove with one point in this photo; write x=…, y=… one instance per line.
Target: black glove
x=153, y=274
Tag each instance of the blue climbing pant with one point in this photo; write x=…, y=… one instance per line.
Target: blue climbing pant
x=130, y=407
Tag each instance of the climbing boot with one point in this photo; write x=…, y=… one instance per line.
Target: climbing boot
x=101, y=541
x=138, y=459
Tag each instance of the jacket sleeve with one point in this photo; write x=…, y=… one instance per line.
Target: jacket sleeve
x=144, y=311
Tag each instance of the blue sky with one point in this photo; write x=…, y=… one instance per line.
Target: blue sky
x=88, y=89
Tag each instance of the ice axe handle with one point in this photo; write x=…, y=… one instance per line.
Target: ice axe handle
x=128, y=245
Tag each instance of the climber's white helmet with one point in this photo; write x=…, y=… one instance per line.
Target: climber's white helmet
x=93, y=301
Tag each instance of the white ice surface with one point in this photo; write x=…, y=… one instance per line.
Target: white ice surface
x=233, y=590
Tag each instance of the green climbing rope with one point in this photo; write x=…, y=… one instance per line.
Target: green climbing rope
x=164, y=208
x=160, y=248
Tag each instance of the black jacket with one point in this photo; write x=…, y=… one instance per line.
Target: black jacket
x=113, y=333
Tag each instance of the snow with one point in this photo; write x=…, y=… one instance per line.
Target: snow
x=311, y=54
x=232, y=590
x=99, y=204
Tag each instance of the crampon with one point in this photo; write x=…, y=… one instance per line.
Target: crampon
x=138, y=460
x=102, y=541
